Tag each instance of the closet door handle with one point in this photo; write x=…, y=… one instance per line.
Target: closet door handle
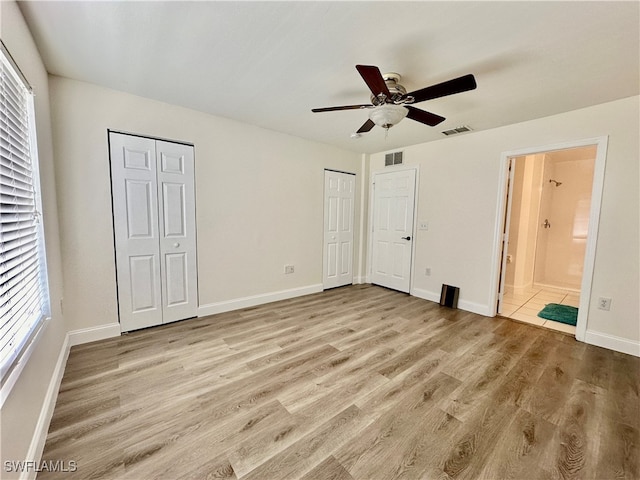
x=406, y=238
x=176, y=245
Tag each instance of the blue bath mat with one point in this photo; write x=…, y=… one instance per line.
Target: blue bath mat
x=560, y=313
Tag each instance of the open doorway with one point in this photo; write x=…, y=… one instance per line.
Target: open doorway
x=548, y=225
x=547, y=236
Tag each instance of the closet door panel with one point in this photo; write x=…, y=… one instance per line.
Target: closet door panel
x=176, y=194
x=135, y=222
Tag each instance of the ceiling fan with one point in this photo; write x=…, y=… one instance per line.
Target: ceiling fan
x=390, y=101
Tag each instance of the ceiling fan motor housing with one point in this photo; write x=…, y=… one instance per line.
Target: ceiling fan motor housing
x=396, y=90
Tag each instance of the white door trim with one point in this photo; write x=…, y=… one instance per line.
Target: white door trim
x=594, y=221
x=505, y=233
x=388, y=169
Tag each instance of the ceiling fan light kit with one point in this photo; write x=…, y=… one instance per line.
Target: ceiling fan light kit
x=390, y=102
x=387, y=115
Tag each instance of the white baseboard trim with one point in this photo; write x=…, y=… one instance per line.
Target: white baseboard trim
x=358, y=280
x=612, y=342
x=74, y=337
x=92, y=334
x=42, y=427
x=462, y=304
x=425, y=295
x=252, y=301
x=478, y=308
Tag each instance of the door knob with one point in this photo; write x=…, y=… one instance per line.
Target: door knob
x=546, y=223
x=406, y=238
x=176, y=245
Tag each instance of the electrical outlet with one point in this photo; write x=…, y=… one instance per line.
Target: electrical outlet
x=604, y=303
x=288, y=269
x=427, y=271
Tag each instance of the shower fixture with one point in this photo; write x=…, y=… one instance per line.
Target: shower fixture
x=556, y=182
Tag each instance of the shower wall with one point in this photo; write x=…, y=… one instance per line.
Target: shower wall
x=561, y=247
x=552, y=256
x=523, y=229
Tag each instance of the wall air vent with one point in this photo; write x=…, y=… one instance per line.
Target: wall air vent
x=394, y=158
x=457, y=130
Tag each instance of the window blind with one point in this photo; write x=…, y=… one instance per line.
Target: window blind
x=23, y=286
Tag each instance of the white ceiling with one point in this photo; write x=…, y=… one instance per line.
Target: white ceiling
x=269, y=63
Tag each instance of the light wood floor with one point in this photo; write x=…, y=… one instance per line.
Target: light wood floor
x=353, y=383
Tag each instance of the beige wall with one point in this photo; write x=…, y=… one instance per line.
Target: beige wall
x=22, y=408
x=458, y=195
x=259, y=198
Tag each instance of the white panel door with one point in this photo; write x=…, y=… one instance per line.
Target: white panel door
x=339, y=195
x=154, y=222
x=177, y=228
x=392, y=236
x=135, y=201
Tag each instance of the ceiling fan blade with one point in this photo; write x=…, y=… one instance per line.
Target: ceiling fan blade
x=457, y=85
x=368, y=125
x=421, y=116
x=345, y=107
x=373, y=78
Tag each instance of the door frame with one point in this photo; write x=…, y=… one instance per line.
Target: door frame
x=502, y=275
x=594, y=221
x=416, y=194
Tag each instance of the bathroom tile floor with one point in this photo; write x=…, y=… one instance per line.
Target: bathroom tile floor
x=525, y=305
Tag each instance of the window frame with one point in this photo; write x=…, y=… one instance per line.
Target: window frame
x=29, y=340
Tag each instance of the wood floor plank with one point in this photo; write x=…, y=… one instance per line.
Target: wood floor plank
x=383, y=446
x=596, y=368
x=473, y=448
x=338, y=397
x=517, y=452
x=623, y=395
x=355, y=383
x=573, y=453
x=476, y=390
x=329, y=469
x=388, y=395
x=619, y=449
x=258, y=449
x=550, y=393
x=302, y=456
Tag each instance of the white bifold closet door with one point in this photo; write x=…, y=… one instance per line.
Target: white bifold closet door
x=339, y=195
x=152, y=185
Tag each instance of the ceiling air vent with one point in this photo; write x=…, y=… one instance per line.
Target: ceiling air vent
x=457, y=130
x=394, y=158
